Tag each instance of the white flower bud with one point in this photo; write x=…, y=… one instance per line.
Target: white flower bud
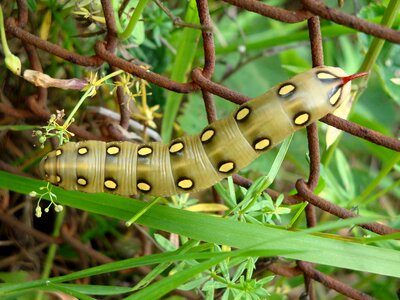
x=38, y=212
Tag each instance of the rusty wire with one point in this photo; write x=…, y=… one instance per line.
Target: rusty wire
x=318, y=8
x=310, y=10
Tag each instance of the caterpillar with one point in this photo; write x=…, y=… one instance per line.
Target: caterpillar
x=193, y=163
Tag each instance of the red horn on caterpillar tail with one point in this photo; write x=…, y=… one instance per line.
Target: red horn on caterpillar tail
x=354, y=76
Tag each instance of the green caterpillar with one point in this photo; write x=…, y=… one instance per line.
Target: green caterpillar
x=193, y=163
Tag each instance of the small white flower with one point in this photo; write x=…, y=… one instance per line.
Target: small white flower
x=242, y=48
x=33, y=194
x=58, y=208
x=38, y=212
x=46, y=210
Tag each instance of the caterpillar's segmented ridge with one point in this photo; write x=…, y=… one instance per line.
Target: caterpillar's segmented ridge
x=193, y=163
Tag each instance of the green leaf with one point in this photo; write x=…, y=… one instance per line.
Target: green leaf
x=276, y=166
x=17, y=127
x=67, y=290
x=164, y=243
x=32, y=5
x=163, y=286
x=91, y=289
x=183, y=62
x=327, y=250
x=345, y=173
x=166, y=285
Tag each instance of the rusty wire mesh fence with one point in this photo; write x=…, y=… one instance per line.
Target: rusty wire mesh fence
x=36, y=105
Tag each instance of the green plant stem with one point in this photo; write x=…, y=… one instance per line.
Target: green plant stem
x=12, y=62
x=142, y=211
x=328, y=155
x=377, y=180
x=296, y=218
x=6, y=50
x=115, y=4
x=257, y=194
x=113, y=74
x=183, y=62
x=388, y=19
x=52, y=250
x=134, y=19
x=382, y=192
x=376, y=45
x=73, y=112
x=87, y=93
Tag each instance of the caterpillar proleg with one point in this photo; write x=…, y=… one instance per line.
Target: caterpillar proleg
x=193, y=163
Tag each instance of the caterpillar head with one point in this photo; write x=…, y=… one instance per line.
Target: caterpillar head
x=336, y=83
x=311, y=95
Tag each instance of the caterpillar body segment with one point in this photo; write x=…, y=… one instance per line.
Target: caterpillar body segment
x=193, y=163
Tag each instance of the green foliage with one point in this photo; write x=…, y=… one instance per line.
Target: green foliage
x=204, y=227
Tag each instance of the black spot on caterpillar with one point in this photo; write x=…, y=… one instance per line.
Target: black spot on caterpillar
x=193, y=163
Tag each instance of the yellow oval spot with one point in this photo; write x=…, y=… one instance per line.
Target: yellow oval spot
x=325, y=75
x=262, y=144
x=82, y=181
x=176, y=147
x=185, y=183
x=226, y=167
x=110, y=184
x=58, y=152
x=207, y=135
x=113, y=150
x=335, y=97
x=301, y=119
x=143, y=186
x=286, y=89
x=83, y=150
x=143, y=151
x=58, y=178
x=242, y=113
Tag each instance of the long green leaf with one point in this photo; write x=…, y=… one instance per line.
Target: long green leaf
x=160, y=258
x=183, y=62
x=317, y=249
